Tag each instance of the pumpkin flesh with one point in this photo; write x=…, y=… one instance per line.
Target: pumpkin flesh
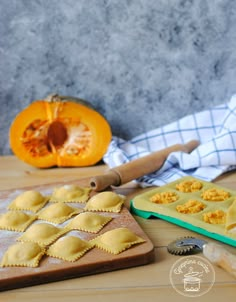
x=67, y=133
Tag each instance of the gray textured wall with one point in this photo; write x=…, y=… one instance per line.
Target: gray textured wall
x=142, y=63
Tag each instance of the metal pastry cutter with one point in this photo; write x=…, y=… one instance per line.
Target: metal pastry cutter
x=186, y=246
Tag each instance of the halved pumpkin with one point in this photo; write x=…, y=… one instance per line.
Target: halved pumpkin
x=59, y=131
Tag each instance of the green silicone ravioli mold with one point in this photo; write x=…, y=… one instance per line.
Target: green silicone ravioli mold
x=143, y=207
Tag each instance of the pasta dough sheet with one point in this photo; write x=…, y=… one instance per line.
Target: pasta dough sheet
x=192, y=203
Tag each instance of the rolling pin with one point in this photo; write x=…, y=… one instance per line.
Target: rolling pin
x=137, y=168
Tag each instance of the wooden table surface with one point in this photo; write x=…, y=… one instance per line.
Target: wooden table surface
x=149, y=282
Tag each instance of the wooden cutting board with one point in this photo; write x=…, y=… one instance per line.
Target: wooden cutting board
x=93, y=262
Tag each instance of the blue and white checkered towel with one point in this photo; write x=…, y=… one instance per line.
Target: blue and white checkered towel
x=214, y=128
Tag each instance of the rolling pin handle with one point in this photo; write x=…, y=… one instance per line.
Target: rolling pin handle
x=102, y=182
x=190, y=146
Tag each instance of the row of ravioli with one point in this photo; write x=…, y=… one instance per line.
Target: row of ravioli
x=44, y=238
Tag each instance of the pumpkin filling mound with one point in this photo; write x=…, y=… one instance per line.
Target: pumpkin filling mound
x=164, y=197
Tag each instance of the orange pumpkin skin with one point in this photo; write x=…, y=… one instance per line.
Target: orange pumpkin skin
x=59, y=132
